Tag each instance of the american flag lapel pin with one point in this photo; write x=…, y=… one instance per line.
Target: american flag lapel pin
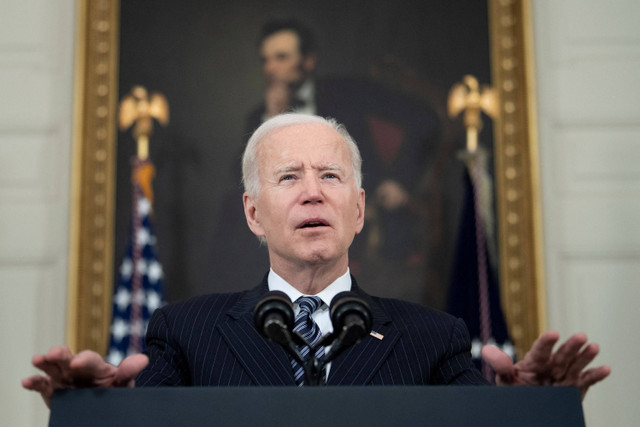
x=376, y=335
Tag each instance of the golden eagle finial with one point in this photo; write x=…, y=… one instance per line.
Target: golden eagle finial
x=137, y=107
x=469, y=97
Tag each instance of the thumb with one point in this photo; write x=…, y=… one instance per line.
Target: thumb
x=500, y=362
x=129, y=369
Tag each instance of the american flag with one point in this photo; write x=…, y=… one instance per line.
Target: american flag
x=474, y=293
x=139, y=289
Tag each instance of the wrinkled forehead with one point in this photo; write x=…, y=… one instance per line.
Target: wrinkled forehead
x=303, y=138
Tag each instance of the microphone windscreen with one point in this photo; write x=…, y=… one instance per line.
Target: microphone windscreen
x=274, y=307
x=347, y=308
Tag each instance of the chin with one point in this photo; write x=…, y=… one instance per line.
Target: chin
x=321, y=256
x=315, y=258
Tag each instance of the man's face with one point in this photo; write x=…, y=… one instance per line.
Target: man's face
x=282, y=61
x=308, y=207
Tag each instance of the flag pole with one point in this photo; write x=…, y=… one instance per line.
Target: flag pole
x=468, y=97
x=139, y=290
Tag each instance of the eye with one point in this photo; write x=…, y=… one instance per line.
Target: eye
x=287, y=178
x=330, y=176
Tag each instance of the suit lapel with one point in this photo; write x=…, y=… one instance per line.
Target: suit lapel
x=268, y=364
x=358, y=365
x=265, y=362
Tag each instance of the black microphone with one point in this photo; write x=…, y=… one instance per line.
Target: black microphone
x=352, y=320
x=273, y=317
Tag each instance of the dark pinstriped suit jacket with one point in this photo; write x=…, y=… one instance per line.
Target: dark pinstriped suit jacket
x=211, y=341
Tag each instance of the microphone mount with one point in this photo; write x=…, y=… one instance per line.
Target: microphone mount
x=350, y=316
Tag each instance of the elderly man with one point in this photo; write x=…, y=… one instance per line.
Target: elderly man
x=304, y=200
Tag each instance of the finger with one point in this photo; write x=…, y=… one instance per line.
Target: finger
x=55, y=364
x=89, y=361
x=500, y=362
x=592, y=376
x=129, y=369
x=59, y=353
x=566, y=355
x=56, y=354
x=36, y=383
x=579, y=363
x=40, y=384
x=89, y=369
x=538, y=357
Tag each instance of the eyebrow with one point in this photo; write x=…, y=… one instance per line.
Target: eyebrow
x=321, y=168
x=330, y=167
x=288, y=168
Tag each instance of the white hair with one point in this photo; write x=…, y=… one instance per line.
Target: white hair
x=250, y=177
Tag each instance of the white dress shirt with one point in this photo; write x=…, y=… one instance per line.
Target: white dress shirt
x=321, y=315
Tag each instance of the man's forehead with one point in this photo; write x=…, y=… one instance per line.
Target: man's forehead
x=309, y=134
x=302, y=138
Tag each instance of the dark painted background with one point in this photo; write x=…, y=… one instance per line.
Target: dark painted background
x=203, y=56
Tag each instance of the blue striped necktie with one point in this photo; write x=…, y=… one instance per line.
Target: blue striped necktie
x=308, y=328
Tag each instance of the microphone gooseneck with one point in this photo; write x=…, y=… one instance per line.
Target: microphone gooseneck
x=351, y=318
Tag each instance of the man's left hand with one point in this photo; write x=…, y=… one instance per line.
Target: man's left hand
x=543, y=366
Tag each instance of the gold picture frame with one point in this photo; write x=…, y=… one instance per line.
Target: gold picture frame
x=94, y=156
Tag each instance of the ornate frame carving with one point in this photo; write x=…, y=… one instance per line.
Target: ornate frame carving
x=516, y=170
x=93, y=176
x=92, y=210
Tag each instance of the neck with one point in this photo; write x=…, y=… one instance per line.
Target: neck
x=310, y=279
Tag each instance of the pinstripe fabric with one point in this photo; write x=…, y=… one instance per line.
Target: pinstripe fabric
x=211, y=341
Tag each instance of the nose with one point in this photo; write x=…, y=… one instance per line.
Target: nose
x=312, y=190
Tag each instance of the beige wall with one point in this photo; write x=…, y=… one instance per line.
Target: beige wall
x=36, y=56
x=588, y=69
x=588, y=63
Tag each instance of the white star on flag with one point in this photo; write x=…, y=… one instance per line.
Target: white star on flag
x=476, y=348
x=126, y=268
x=115, y=357
x=122, y=299
x=153, y=300
x=142, y=237
x=119, y=329
x=154, y=272
x=507, y=347
x=144, y=206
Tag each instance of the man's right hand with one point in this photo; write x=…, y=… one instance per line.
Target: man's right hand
x=277, y=98
x=86, y=369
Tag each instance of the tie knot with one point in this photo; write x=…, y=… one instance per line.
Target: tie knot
x=309, y=304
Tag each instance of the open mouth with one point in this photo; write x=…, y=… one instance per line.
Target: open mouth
x=314, y=223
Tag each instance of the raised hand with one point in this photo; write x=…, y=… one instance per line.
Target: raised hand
x=542, y=366
x=86, y=369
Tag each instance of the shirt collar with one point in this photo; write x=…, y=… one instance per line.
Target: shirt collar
x=306, y=92
x=341, y=284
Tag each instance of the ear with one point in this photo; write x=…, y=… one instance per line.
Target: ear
x=360, y=212
x=309, y=62
x=251, y=213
